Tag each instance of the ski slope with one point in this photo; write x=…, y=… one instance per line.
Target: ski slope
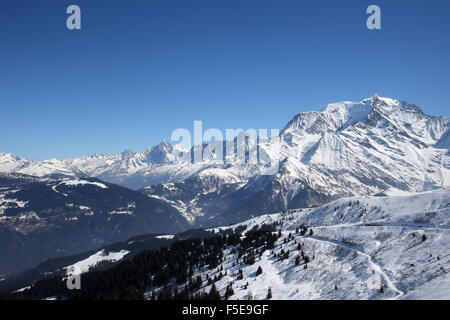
x=390, y=247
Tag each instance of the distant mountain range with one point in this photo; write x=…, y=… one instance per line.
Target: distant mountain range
x=344, y=149
x=378, y=145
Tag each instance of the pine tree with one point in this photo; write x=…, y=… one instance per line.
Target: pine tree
x=166, y=294
x=214, y=293
x=297, y=260
x=269, y=293
x=229, y=292
x=259, y=271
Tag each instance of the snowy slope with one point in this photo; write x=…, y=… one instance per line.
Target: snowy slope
x=84, y=265
x=360, y=248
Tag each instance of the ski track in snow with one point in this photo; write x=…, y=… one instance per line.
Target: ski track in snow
x=372, y=264
x=54, y=189
x=373, y=224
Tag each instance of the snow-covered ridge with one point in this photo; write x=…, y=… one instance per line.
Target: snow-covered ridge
x=91, y=261
x=361, y=210
x=83, y=182
x=393, y=247
x=165, y=236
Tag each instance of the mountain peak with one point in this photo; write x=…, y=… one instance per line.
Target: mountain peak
x=164, y=145
x=376, y=98
x=159, y=153
x=8, y=157
x=128, y=153
x=390, y=105
x=331, y=118
x=340, y=115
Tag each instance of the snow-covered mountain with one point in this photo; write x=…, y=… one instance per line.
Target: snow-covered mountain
x=344, y=149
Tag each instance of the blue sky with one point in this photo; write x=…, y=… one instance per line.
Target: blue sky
x=140, y=69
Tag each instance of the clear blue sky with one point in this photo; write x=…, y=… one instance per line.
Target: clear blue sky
x=140, y=69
